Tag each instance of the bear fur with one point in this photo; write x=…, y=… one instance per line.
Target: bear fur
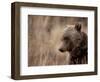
x=75, y=42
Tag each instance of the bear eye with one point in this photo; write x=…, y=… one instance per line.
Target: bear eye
x=78, y=39
x=66, y=38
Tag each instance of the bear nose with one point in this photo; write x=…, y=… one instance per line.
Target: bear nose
x=61, y=50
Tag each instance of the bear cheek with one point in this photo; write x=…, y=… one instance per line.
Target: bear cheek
x=69, y=46
x=78, y=42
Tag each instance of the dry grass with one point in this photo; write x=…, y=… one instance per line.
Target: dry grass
x=44, y=36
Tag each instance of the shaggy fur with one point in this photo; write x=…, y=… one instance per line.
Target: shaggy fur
x=75, y=42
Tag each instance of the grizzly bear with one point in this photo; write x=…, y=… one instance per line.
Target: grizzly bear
x=75, y=42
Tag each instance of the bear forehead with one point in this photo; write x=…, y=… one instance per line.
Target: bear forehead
x=71, y=32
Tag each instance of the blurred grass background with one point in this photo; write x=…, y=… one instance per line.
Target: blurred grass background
x=44, y=37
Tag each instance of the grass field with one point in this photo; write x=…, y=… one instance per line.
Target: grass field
x=44, y=38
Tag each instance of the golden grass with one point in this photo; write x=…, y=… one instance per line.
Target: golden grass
x=44, y=38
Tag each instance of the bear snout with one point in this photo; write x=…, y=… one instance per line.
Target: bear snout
x=61, y=50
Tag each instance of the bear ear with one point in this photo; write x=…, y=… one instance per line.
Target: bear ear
x=78, y=27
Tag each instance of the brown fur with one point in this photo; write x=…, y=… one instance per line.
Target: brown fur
x=75, y=42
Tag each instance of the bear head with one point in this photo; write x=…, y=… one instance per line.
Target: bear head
x=72, y=38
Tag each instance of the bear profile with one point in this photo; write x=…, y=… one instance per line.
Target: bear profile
x=75, y=42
